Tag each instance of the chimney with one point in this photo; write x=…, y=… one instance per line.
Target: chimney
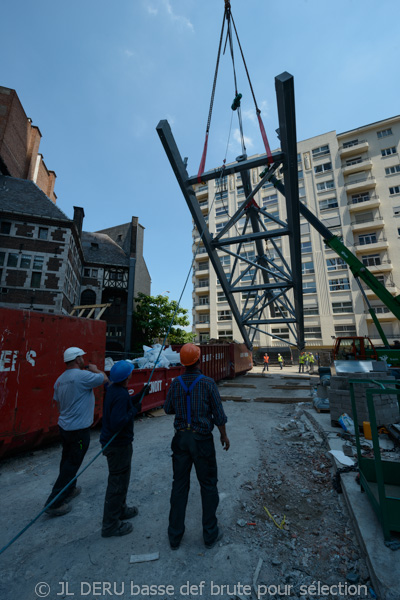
x=79, y=215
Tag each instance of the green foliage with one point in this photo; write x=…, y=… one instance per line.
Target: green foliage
x=152, y=317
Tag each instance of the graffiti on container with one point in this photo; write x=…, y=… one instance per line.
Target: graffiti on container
x=155, y=386
x=244, y=354
x=8, y=359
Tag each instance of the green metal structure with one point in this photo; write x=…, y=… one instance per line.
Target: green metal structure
x=380, y=479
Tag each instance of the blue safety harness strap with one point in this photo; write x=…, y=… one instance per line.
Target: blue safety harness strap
x=189, y=397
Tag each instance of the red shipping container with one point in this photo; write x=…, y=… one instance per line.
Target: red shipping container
x=31, y=358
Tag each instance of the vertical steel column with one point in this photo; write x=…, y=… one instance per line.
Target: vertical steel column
x=287, y=132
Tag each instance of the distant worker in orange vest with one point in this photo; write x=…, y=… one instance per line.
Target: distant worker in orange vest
x=266, y=362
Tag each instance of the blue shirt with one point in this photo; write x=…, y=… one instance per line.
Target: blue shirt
x=119, y=411
x=206, y=405
x=73, y=391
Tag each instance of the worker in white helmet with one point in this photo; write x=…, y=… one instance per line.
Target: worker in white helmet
x=73, y=391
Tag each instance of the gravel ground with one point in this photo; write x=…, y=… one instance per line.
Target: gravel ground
x=275, y=462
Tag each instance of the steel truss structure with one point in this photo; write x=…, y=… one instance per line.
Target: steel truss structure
x=274, y=294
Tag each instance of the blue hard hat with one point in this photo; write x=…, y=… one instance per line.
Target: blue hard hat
x=120, y=371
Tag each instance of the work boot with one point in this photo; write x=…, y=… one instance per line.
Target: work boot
x=217, y=539
x=58, y=511
x=123, y=529
x=75, y=492
x=129, y=512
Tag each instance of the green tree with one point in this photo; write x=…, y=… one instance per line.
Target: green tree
x=152, y=317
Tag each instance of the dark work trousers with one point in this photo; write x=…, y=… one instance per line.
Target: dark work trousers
x=301, y=367
x=189, y=447
x=266, y=366
x=74, y=447
x=119, y=459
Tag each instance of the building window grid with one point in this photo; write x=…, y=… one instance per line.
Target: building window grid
x=345, y=306
x=336, y=285
x=389, y=151
x=392, y=170
x=384, y=133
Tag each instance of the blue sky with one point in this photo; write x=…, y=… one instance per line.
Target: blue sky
x=96, y=77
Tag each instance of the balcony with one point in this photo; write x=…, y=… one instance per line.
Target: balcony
x=391, y=288
x=200, y=253
x=202, y=287
x=362, y=165
x=202, y=191
x=380, y=244
x=358, y=147
x=202, y=325
x=202, y=307
x=375, y=223
x=383, y=314
x=364, y=204
x=201, y=272
x=385, y=267
x=360, y=185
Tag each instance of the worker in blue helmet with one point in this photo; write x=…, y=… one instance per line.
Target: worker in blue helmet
x=118, y=413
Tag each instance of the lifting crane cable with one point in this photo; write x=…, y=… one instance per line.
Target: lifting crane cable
x=204, y=155
x=258, y=111
x=236, y=102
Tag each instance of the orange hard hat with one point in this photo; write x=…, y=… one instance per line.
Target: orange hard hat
x=189, y=354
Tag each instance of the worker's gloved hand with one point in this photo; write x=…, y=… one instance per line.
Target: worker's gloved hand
x=146, y=390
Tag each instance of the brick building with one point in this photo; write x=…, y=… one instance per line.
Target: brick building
x=48, y=264
x=19, y=145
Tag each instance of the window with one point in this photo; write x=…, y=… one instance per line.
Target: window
x=43, y=233
x=309, y=287
x=219, y=196
x=320, y=151
x=274, y=212
x=225, y=259
x=332, y=222
x=353, y=161
x=94, y=245
x=363, y=197
x=202, y=283
x=272, y=199
x=384, y=133
x=322, y=168
x=221, y=211
x=38, y=263
x=249, y=275
x=203, y=319
x=219, y=226
x=204, y=300
x=350, y=144
x=345, y=329
x=86, y=272
x=307, y=267
x=300, y=174
x=389, y=151
x=302, y=191
x=336, y=285
x=25, y=261
x=249, y=295
x=225, y=333
x=5, y=227
x=311, y=310
x=2, y=257
x=204, y=337
x=392, y=170
x=12, y=260
x=364, y=217
x=240, y=191
x=35, y=280
x=221, y=297
x=335, y=264
x=326, y=185
x=367, y=238
x=371, y=260
x=312, y=332
x=299, y=157
x=342, y=307
x=394, y=190
x=203, y=266
x=224, y=315
x=328, y=203
x=306, y=247
x=282, y=332
x=304, y=228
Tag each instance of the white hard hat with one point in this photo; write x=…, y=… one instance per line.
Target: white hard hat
x=72, y=353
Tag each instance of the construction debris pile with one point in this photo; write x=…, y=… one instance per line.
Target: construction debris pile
x=156, y=356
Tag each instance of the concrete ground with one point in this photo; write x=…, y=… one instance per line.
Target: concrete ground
x=66, y=557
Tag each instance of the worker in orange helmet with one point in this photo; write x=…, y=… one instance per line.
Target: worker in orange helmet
x=195, y=401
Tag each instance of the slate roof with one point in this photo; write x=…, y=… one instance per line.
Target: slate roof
x=23, y=197
x=107, y=251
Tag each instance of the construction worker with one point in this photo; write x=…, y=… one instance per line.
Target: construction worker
x=266, y=362
x=118, y=413
x=195, y=401
x=307, y=361
x=280, y=361
x=302, y=359
x=311, y=361
x=73, y=391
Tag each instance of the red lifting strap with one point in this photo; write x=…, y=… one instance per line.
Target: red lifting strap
x=265, y=139
x=203, y=160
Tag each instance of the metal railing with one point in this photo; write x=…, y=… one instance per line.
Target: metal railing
x=370, y=178
x=360, y=200
x=351, y=144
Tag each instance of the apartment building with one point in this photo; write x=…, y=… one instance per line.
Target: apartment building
x=351, y=182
